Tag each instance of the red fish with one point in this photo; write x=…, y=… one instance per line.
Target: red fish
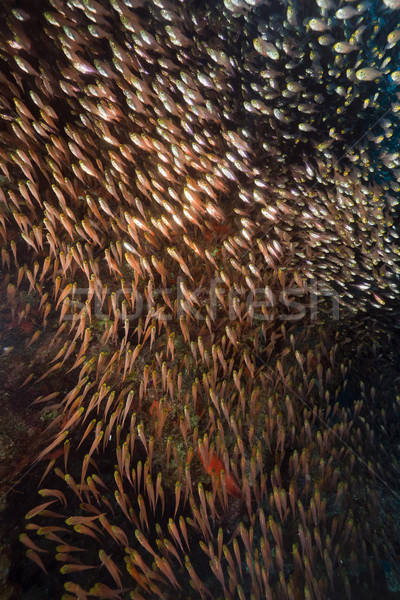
x=215, y=464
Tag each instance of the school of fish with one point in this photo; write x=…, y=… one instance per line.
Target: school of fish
x=199, y=206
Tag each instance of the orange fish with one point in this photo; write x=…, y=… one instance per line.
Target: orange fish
x=218, y=230
x=215, y=464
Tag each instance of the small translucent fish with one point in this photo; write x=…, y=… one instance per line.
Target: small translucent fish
x=20, y=14
x=326, y=39
x=265, y=48
x=177, y=36
x=347, y=12
x=220, y=57
x=317, y=25
x=368, y=74
x=395, y=76
x=344, y=47
x=393, y=4
x=392, y=39
x=25, y=66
